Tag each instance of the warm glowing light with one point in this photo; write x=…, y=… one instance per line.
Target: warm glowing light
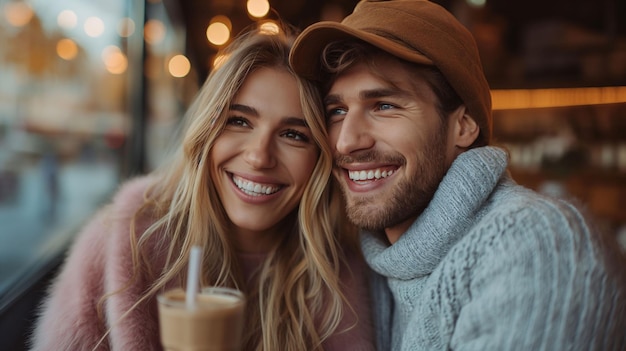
x=218, y=60
x=223, y=19
x=67, y=49
x=543, y=98
x=67, y=19
x=18, y=14
x=269, y=28
x=476, y=3
x=218, y=31
x=114, y=60
x=94, y=27
x=258, y=8
x=154, y=31
x=126, y=27
x=179, y=66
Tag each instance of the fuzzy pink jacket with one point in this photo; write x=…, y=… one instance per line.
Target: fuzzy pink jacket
x=99, y=262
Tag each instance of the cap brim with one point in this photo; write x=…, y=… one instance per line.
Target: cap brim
x=305, y=54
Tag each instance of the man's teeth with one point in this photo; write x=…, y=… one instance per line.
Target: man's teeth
x=370, y=174
x=254, y=189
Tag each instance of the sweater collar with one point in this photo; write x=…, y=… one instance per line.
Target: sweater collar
x=454, y=207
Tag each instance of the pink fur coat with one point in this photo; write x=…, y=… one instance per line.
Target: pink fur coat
x=100, y=262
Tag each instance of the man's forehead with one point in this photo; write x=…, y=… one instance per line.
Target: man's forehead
x=384, y=78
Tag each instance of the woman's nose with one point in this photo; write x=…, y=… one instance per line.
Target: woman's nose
x=259, y=152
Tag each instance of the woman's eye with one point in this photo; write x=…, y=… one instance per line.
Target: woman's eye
x=295, y=135
x=237, y=121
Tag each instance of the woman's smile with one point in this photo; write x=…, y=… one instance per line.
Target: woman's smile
x=253, y=188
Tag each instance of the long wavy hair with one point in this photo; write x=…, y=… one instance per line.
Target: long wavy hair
x=296, y=302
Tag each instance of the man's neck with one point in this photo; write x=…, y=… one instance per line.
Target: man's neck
x=394, y=233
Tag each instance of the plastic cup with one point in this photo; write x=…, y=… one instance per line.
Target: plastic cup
x=215, y=322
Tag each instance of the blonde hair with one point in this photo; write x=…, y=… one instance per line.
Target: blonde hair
x=296, y=302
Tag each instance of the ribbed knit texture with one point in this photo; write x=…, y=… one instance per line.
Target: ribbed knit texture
x=490, y=265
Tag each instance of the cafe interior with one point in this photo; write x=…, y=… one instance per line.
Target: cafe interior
x=92, y=93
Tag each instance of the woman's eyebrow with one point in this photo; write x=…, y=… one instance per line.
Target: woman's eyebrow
x=244, y=109
x=289, y=120
x=295, y=121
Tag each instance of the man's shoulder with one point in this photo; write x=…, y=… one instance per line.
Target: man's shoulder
x=521, y=224
x=516, y=208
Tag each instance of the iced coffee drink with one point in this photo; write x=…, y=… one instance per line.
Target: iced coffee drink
x=215, y=322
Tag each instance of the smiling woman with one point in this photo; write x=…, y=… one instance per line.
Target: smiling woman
x=250, y=183
x=263, y=159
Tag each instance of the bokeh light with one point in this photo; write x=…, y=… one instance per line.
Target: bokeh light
x=94, y=27
x=114, y=60
x=18, y=14
x=258, y=8
x=154, y=31
x=126, y=27
x=476, y=3
x=179, y=66
x=67, y=49
x=269, y=27
x=67, y=19
x=218, y=60
x=218, y=31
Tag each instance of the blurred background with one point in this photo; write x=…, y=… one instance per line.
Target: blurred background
x=91, y=92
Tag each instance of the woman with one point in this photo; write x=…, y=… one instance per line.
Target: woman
x=249, y=184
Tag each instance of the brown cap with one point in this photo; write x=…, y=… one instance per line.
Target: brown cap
x=417, y=31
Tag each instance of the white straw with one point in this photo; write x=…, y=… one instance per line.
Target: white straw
x=193, y=276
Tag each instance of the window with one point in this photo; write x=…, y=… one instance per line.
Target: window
x=88, y=97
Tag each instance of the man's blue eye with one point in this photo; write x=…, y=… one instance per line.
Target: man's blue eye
x=336, y=111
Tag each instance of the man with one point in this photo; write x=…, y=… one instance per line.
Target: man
x=466, y=258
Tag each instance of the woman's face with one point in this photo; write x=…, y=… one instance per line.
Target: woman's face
x=263, y=159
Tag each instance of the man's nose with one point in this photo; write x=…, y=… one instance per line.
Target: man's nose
x=353, y=134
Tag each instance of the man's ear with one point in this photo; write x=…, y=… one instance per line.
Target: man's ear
x=464, y=128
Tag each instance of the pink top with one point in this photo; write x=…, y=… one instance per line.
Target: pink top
x=100, y=262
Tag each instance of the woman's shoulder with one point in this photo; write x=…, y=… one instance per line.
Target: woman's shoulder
x=131, y=193
x=109, y=227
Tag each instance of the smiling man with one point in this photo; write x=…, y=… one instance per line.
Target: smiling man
x=466, y=259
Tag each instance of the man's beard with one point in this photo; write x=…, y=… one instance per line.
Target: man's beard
x=409, y=198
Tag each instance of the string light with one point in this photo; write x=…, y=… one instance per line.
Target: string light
x=218, y=31
x=258, y=8
x=179, y=66
x=67, y=19
x=94, y=27
x=67, y=49
x=18, y=14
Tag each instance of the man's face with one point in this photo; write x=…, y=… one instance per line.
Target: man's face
x=391, y=146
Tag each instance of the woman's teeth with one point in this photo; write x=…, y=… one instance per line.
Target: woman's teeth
x=370, y=174
x=254, y=189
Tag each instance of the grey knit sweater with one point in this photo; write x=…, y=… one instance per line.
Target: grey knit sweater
x=490, y=265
